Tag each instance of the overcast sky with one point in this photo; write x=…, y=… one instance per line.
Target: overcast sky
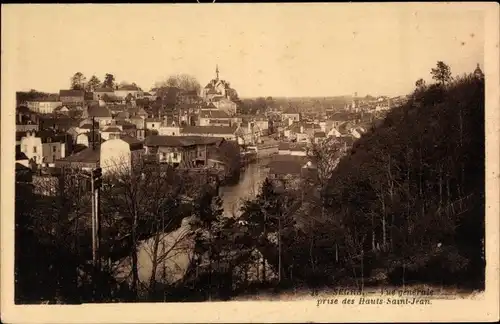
x=261, y=49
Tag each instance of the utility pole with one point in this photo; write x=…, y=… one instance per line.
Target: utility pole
x=93, y=135
x=96, y=182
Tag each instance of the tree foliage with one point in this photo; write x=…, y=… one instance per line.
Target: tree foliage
x=109, y=81
x=78, y=81
x=441, y=73
x=184, y=82
x=92, y=84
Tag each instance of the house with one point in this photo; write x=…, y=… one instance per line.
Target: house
x=227, y=132
x=339, y=118
x=302, y=137
x=149, y=96
x=101, y=115
x=128, y=90
x=43, y=106
x=71, y=97
x=169, y=127
x=60, y=123
x=225, y=104
x=333, y=132
x=248, y=133
x=153, y=123
x=286, y=171
x=284, y=148
x=44, y=147
x=111, y=132
x=319, y=137
x=86, y=160
x=103, y=93
x=184, y=151
x=298, y=149
x=212, y=117
x=24, y=116
x=127, y=128
x=293, y=116
x=88, y=138
x=119, y=154
x=139, y=122
x=25, y=126
x=63, y=110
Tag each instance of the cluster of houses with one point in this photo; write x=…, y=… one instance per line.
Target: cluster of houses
x=109, y=127
x=78, y=129
x=299, y=132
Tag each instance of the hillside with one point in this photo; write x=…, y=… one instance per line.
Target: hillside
x=409, y=198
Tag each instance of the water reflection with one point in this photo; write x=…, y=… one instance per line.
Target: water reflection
x=248, y=186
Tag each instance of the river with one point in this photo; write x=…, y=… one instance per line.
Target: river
x=248, y=186
x=174, y=267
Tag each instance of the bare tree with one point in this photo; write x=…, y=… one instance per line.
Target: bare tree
x=185, y=82
x=147, y=198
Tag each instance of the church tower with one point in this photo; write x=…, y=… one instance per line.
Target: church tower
x=478, y=73
x=217, y=72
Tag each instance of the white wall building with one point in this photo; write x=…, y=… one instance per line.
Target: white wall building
x=31, y=146
x=43, y=107
x=117, y=155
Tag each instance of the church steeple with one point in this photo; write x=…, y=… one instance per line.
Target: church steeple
x=478, y=73
x=217, y=72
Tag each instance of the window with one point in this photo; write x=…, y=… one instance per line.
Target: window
x=54, y=158
x=164, y=156
x=34, y=149
x=53, y=149
x=175, y=156
x=173, y=133
x=152, y=125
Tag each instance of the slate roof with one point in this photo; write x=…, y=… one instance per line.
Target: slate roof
x=180, y=141
x=112, y=129
x=209, y=129
x=283, y=146
x=133, y=143
x=129, y=87
x=87, y=155
x=60, y=122
x=52, y=136
x=104, y=90
x=98, y=111
x=218, y=114
x=71, y=93
x=88, y=126
x=154, y=120
x=298, y=147
x=285, y=167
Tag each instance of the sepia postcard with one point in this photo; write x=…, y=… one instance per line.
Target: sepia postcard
x=250, y=162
